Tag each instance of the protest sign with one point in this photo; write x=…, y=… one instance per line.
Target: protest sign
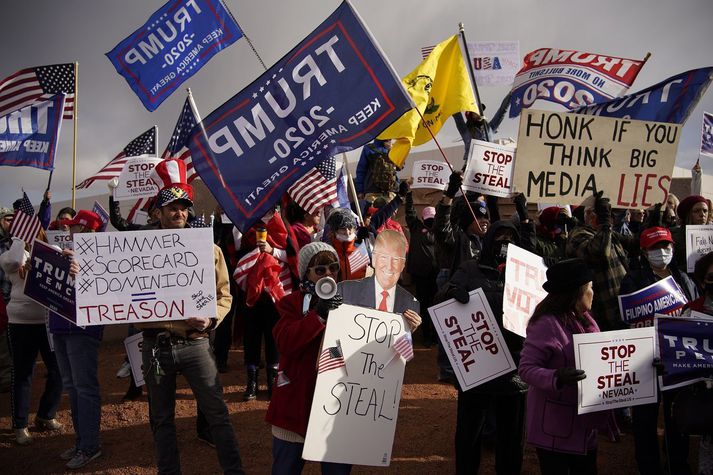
x=525, y=273
x=489, y=169
x=430, y=174
x=472, y=339
x=134, y=181
x=565, y=158
x=133, y=345
x=665, y=297
x=685, y=346
x=61, y=239
x=145, y=276
x=173, y=45
x=48, y=281
x=333, y=92
x=103, y=215
x=699, y=242
x=356, y=399
x=619, y=369
x=707, y=134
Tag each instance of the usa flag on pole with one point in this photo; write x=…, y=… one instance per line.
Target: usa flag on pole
x=178, y=146
x=26, y=225
x=31, y=85
x=331, y=358
x=404, y=346
x=359, y=258
x=318, y=188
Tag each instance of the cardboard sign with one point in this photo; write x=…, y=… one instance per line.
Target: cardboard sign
x=665, y=297
x=134, y=181
x=133, y=345
x=699, y=242
x=472, y=339
x=490, y=168
x=564, y=158
x=685, y=346
x=525, y=273
x=61, y=239
x=145, y=276
x=48, y=281
x=619, y=369
x=430, y=174
x=356, y=401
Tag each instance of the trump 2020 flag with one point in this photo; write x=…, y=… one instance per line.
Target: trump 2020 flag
x=707, y=134
x=335, y=91
x=571, y=78
x=28, y=137
x=173, y=44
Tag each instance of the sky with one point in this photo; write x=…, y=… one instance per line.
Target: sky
x=38, y=32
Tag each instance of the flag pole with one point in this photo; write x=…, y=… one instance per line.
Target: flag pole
x=461, y=28
x=194, y=108
x=247, y=38
x=74, y=147
x=352, y=188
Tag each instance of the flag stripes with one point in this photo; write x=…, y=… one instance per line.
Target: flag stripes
x=31, y=85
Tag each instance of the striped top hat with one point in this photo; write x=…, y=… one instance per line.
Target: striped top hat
x=170, y=176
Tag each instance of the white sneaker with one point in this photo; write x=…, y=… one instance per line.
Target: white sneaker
x=124, y=371
x=23, y=437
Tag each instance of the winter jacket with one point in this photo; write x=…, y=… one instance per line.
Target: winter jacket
x=421, y=254
x=20, y=309
x=453, y=245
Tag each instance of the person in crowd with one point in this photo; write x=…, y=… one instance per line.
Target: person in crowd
x=505, y=394
x=342, y=236
x=118, y=221
x=304, y=225
x=381, y=221
x=376, y=173
x=657, y=256
x=223, y=335
x=566, y=443
x=692, y=210
x=183, y=346
x=637, y=220
x=298, y=335
x=6, y=217
x=77, y=351
x=672, y=202
x=27, y=336
x=622, y=219
x=605, y=252
x=65, y=214
x=547, y=238
x=44, y=214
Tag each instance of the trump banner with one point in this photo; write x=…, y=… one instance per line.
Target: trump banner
x=28, y=136
x=665, y=297
x=619, y=368
x=707, y=134
x=472, y=340
x=489, y=169
x=335, y=91
x=48, y=281
x=173, y=44
x=685, y=346
x=571, y=78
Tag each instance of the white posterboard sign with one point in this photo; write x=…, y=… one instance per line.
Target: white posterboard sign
x=145, y=276
x=134, y=181
x=699, y=242
x=619, y=369
x=525, y=273
x=133, y=352
x=490, y=168
x=61, y=239
x=355, y=406
x=430, y=174
x=472, y=339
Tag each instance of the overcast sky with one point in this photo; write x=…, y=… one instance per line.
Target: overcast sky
x=36, y=32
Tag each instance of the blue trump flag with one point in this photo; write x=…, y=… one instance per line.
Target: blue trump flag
x=335, y=91
x=172, y=46
x=669, y=101
x=28, y=136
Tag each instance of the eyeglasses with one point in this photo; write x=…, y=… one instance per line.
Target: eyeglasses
x=322, y=270
x=385, y=258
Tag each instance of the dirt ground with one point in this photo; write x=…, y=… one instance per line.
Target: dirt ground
x=423, y=443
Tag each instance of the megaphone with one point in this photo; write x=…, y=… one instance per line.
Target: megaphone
x=325, y=288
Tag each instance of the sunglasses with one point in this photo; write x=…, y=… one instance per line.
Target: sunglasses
x=322, y=270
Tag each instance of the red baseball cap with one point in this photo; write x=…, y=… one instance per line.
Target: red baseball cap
x=651, y=236
x=88, y=219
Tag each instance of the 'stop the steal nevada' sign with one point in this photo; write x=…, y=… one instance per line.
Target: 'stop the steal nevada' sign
x=172, y=46
x=333, y=92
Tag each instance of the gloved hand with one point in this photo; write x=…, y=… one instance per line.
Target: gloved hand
x=568, y=377
x=602, y=208
x=403, y=188
x=658, y=365
x=362, y=233
x=324, y=306
x=454, y=183
x=564, y=220
x=521, y=207
x=458, y=293
x=113, y=183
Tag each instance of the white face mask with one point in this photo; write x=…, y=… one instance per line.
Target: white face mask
x=346, y=237
x=659, y=258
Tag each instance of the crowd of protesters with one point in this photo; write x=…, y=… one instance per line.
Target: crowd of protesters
x=594, y=254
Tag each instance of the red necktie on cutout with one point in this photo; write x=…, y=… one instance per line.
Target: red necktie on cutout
x=382, y=305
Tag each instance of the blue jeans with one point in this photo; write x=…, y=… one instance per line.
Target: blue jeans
x=25, y=342
x=287, y=460
x=77, y=356
x=193, y=359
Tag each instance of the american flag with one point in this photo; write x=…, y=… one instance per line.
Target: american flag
x=26, y=225
x=178, y=146
x=248, y=261
x=359, y=258
x=37, y=84
x=404, y=346
x=143, y=144
x=317, y=188
x=331, y=358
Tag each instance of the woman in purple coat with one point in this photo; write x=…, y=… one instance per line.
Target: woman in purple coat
x=566, y=442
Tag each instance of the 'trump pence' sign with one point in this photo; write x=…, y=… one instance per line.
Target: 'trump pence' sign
x=145, y=276
x=472, y=339
x=525, y=273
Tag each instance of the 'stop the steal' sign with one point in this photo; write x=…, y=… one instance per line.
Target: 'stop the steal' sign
x=172, y=46
x=333, y=92
x=144, y=276
x=564, y=158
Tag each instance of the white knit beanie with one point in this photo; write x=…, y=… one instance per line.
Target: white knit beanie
x=308, y=252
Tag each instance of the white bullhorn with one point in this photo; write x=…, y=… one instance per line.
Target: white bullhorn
x=326, y=288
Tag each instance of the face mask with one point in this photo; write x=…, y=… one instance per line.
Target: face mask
x=346, y=237
x=659, y=258
x=501, y=253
